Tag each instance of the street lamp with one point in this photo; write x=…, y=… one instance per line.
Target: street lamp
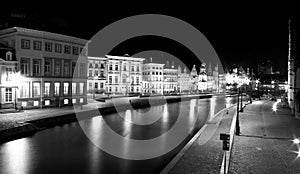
x=237, y=123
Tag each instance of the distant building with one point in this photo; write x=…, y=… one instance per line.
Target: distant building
x=265, y=67
x=194, y=79
x=170, y=78
x=97, y=73
x=153, y=78
x=184, y=80
x=202, y=80
x=53, y=67
x=124, y=74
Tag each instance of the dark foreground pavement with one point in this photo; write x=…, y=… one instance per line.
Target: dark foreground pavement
x=204, y=154
x=265, y=145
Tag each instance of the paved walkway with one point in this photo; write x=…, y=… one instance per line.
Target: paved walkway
x=205, y=154
x=265, y=144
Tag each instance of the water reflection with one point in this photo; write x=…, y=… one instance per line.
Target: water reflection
x=15, y=156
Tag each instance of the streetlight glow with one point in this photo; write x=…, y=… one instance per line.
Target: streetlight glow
x=296, y=141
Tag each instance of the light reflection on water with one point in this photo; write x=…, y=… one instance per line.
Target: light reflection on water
x=20, y=157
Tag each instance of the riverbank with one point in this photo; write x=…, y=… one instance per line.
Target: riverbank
x=28, y=122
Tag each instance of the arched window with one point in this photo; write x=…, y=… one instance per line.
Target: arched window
x=8, y=56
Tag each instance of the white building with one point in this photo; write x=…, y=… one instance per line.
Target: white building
x=153, y=78
x=202, y=79
x=184, y=80
x=97, y=73
x=124, y=74
x=170, y=78
x=53, y=67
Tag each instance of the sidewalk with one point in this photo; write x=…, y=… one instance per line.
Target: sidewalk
x=205, y=153
x=265, y=145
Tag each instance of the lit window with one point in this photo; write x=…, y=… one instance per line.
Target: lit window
x=24, y=90
x=66, y=68
x=47, y=67
x=25, y=66
x=36, y=89
x=66, y=88
x=74, y=88
x=47, y=89
x=36, y=67
x=8, y=56
x=81, y=88
x=56, y=88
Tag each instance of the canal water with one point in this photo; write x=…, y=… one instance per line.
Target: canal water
x=87, y=146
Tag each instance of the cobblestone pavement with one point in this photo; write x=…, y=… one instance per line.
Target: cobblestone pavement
x=205, y=154
x=265, y=144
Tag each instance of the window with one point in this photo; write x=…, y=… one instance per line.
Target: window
x=56, y=88
x=36, y=89
x=102, y=66
x=25, y=44
x=58, y=48
x=37, y=45
x=90, y=65
x=132, y=68
x=132, y=80
x=116, y=79
x=81, y=88
x=9, y=72
x=137, y=89
x=66, y=68
x=96, y=73
x=137, y=68
x=47, y=67
x=24, y=90
x=8, y=56
x=75, y=50
x=132, y=89
x=48, y=46
x=25, y=66
x=96, y=85
x=57, y=67
x=82, y=70
x=90, y=85
x=116, y=89
x=110, y=67
x=66, y=88
x=117, y=67
x=90, y=73
x=101, y=85
x=109, y=89
x=73, y=67
x=8, y=95
x=47, y=89
x=124, y=68
x=36, y=67
x=110, y=79
x=67, y=49
x=74, y=88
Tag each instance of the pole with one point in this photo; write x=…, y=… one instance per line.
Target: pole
x=241, y=110
x=15, y=98
x=237, y=123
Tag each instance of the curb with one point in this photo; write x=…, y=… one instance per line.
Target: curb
x=227, y=154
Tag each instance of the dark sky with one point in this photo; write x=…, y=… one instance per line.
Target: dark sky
x=241, y=35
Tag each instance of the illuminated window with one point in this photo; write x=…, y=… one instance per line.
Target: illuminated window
x=25, y=66
x=81, y=88
x=47, y=89
x=24, y=90
x=47, y=67
x=36, y=67
x=74, y=88
x=56, y=88
x=66, y=88
x=36, y=89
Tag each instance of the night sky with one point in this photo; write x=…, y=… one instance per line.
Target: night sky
x=241, y=36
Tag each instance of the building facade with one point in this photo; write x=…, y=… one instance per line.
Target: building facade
x=124, y=74
x=170, y=79
x=97, y=74
x=153, y=76
x=202, y=79
x=53, y=67
x=184, y=80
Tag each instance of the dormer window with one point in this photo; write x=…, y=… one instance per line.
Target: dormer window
x=8, y=56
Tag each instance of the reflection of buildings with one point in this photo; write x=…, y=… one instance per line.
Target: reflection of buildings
x=8, y=67
x=170, y=78
x=153, y=78
x=124, y=74
x=97, y=73
x=48, y=62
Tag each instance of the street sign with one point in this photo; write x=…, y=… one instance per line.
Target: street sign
x=225, y=145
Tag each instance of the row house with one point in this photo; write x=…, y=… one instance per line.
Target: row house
x=153, y=76
x=184, y=80
x=52, y=67
x=97, y=73
x=124, y=74
x=170, y=78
